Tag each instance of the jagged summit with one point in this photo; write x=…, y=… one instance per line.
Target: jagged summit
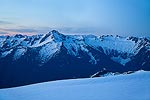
x=54, y=31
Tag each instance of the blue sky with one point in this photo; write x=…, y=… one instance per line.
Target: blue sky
x=122, y=17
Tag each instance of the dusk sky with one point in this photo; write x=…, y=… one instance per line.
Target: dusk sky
x=122, y=17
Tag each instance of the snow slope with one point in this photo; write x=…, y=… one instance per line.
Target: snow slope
x=134, y=86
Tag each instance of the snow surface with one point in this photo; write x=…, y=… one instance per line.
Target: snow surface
x=37, y=43
x=110, y=42
x=120, y=60
x=4, y=54
x=134, y=86
x=48, y=51
x=19, y=52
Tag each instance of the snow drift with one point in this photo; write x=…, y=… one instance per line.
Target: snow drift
x=134, y=86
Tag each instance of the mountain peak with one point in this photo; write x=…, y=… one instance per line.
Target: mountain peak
x=58, y=36
x=54, y=31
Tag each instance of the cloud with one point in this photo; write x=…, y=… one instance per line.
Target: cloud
x=64, y=30
x=1, y=32
x=84, y=30
x=21, y=30
x=24, y=30
x=4, y=22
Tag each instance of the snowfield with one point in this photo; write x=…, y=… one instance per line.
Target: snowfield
x=134, y=86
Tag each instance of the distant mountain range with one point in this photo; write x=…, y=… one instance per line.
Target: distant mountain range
x=54, y=56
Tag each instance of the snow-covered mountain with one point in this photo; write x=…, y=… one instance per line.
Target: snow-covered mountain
x=53, y=56
x=120, y=87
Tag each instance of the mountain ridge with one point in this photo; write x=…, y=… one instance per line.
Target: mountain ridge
x=57, y=39
x=55, y=56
